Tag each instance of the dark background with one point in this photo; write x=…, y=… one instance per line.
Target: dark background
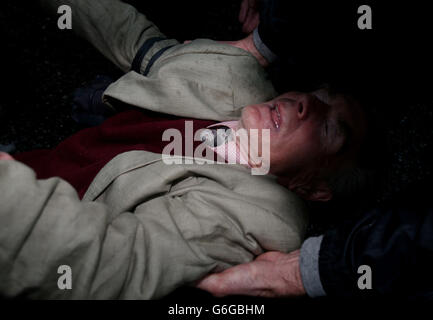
x=42, y=66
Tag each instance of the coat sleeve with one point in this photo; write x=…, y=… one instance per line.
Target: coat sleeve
x=115, y=28
x=395, y=241
x=142, y=254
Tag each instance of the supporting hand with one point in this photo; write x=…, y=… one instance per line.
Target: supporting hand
x=273, y=274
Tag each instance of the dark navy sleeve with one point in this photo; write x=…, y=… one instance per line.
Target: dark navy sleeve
x=395, y=241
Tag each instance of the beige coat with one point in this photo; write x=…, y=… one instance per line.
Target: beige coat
x=144, y=227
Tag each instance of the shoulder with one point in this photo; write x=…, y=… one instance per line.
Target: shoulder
x=205, y=60
x=257, y=204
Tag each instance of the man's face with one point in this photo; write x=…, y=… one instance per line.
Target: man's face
x=308, y=131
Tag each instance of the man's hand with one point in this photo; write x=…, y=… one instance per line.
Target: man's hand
x=5, y=156
x=249, y=15
x=247, y=44
x=273, y=274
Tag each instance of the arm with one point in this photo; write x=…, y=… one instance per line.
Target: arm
x=273, y=274
x=44, y=225
x=395, y=242
x=115, y=28
x=293, y=31
x=166, y=242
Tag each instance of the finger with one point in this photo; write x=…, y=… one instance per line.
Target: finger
x=244, y=279
x=251, y=23
x=271, y=256
x=237, y=280
x=221, y=286
x=255, y=20
x=244, y=10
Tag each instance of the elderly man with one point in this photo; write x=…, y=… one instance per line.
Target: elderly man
x=142, y=227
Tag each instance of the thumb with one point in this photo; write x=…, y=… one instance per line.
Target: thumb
x=238, y=280
x=243, y=12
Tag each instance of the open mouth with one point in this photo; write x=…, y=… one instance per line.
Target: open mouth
x=276, y=116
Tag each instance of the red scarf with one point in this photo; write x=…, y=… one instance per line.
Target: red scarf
x=80, y=157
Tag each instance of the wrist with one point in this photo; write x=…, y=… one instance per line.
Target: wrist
x=262, y=48
x=251, y=47
x=294, y=279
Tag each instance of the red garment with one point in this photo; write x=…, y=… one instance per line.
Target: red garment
x=80, y=157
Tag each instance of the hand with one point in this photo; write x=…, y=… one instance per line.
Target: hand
x=272, y=274
x=249, y=15
x=5, y=156
x=247, y=44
